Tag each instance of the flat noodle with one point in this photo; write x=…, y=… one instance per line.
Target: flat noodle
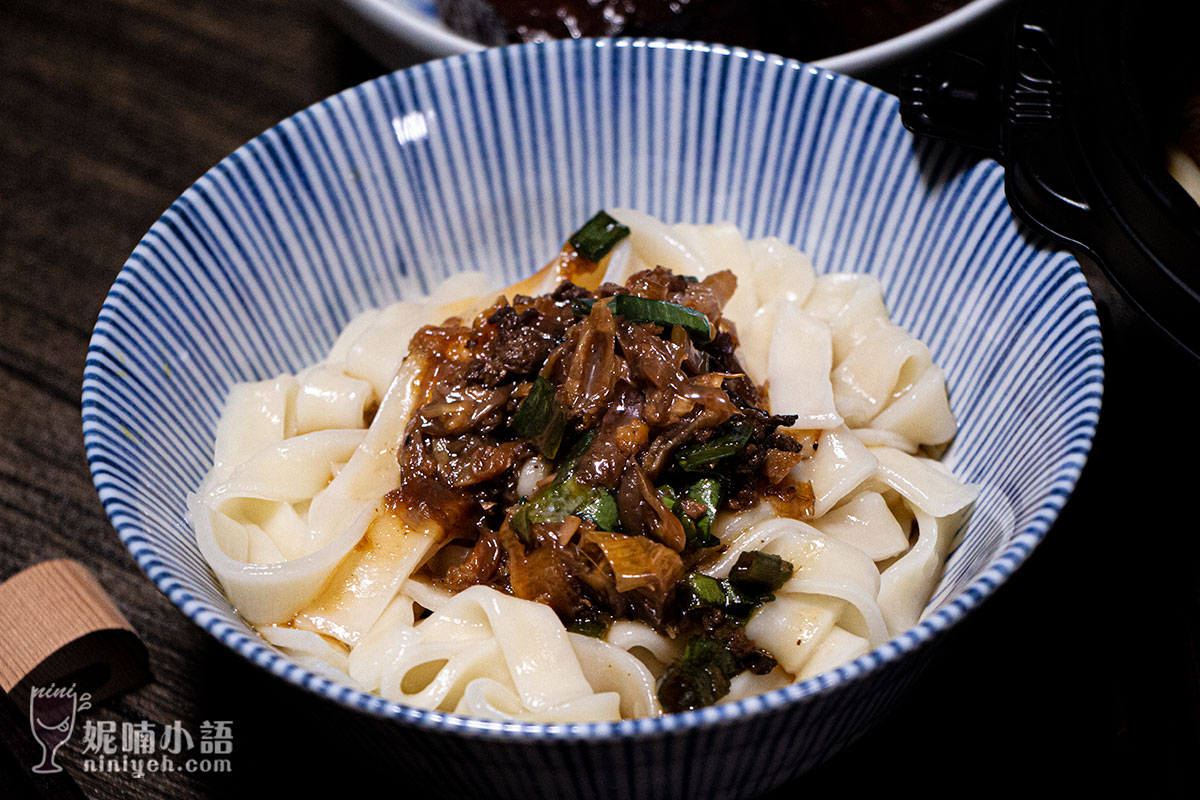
x=313, y=645
x=793, y=625
x=840, y=466
x=801, y=389
x=747, y=684
x=865, y=522
x=372, y=470
x=883, y=363
x=366, y=581
x=823, y=566
x=328, y=398
x=838, y=647
x=292, y=522
x=631, y=636
x=914, y=575
x=255, y=417
x=613, y=670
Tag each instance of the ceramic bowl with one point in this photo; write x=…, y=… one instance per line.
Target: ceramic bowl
x=487, y=161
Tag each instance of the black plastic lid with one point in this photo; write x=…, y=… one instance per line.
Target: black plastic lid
x=1075, y=113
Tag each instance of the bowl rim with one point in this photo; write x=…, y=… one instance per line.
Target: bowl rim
x=431, y=35
x=258, y=652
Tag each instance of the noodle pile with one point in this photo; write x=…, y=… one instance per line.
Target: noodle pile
x=300, y=522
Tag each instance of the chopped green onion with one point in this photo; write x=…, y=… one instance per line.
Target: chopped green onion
x=684, y=687
x=521, y=524
x=692, y=534
x=701, y=650
x=601, y=509
x=704, y=591
x=757, y=571
x=571, y=459
x=698, y=650
x=600, y=235
x=589, y=627
x=660, y=312
x=556, y=502
x=740, y=602
x=565, y=496
x=697, y=457
x=540, y=419
x=708, y=492
x=553, y=503
x=671, y=501
x=700, y=678
x=699, y=591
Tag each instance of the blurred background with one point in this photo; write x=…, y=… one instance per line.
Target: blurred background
x=109, y=109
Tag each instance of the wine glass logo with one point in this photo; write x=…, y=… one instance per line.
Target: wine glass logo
x=52, y=711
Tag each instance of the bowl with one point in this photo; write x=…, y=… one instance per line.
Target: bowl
x=486, y=161
x=400, y=32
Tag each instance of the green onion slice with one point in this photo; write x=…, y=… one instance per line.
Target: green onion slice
x=705, y=591
x=600, y=235
x=565, y=496
x=708, y=492
x=601, y=509
x=690, y=532
x=540, y=419
x=740, y=602
x=757, y=571
x=589, y=627
x=698, y=531
x=684, y=687
x=660, y=312
x=698, y=457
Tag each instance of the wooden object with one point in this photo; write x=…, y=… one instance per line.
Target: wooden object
x=58, y=626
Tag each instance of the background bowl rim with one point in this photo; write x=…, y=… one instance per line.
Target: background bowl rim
x=258, y=652
x=432, y=36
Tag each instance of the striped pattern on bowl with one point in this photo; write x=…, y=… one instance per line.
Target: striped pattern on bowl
x=486, y=161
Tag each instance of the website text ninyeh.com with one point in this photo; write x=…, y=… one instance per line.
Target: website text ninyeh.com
x=137, y=766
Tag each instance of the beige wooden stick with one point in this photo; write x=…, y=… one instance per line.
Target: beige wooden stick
x=58, y=626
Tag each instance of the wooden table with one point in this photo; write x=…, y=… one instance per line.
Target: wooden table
x=1084, y=665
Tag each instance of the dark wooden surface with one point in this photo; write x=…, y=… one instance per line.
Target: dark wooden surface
x=1082, y=668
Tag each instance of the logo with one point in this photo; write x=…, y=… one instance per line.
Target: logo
x=134, y=748
x=52, y=711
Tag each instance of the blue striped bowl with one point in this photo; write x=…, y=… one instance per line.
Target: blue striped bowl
x=486, y=161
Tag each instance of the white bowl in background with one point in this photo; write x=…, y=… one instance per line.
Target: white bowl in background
x=404, y=32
